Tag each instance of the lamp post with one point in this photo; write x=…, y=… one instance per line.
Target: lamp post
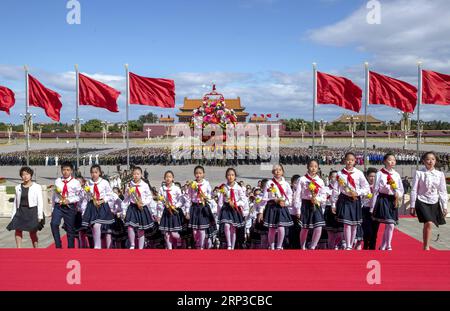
x=105, y=130
x=148, y=133
x=123, y=128
x=39, y=127
x=352, y=129
x=322, y=128
x=9, y=129
x=389, y=130
x=302, y=129
x=405, y=125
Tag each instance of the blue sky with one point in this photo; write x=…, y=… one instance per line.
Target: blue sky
x=260, y=50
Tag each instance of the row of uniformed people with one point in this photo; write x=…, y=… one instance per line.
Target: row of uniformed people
x=349, y=208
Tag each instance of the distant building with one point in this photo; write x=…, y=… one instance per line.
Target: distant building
x=359, y=118
x=189, y=105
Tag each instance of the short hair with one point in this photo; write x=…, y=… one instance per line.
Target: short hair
x=96, y=166
x=26, y=169
x=169, y=172
x=387, y=155
x=428, y=153
x=199, y=167
x=67, y=164
x=137, y=168
x=349, y=153
x=275, y=165
x=311, y=161
x=230, y=169
x=371, y=170
x=294, y=178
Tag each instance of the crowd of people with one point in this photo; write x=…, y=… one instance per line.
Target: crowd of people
x=165, y=156
x=340, y=210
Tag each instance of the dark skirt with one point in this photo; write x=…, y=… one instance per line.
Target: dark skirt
x=331, y=224
x=384, y=210
x=229, y=215
x=101, y=215
x=172, y=222
x=201, y=217
x=429, y=212
x=311, y=216
x=118, y=230
x=26, y=219
x=359, y=233
x=348, y=211
x=139, y=219
x=276, y=216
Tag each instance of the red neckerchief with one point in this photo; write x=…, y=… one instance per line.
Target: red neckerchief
x=389, y=175
x=65, y=190
x=96, y=192
x=137, y=189
x=199, y=191
x=233, y=198
x=350, y=179
x=314, y=182
x=169, y=196
x=279, y=187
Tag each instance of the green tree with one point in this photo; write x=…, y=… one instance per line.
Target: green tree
x=93, y=125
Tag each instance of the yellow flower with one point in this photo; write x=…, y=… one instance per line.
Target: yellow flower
x=341, y=181
x=312, y=187
x=258, y=200
x=161, y=198
x=132, y=190
x=87, y=189
x=222, y=190
x=370, y=196
x=273, y=190
x=194, y=185
x=58, y=190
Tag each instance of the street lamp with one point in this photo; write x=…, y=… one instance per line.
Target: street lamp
x=389, y=130
x=352, y=129
x=105, y=130
x=27, y=126
x=9, y=129
x=123, y=127
x=39, y=127
x=405, y=125
x=420, y=130
x=322, y=128
x=302, y=129
x=148, y=133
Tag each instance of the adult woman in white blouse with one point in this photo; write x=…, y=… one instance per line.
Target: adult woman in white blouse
x=429, y=197
x=28, y=211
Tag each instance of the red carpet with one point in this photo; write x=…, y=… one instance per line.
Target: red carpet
x=407, y=267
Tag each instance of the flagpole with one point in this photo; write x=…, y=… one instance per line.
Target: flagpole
x=77, y=119
x=126, y=113
x=314, y=109
x=419, y=102
x=27, y=115
x=366, y=104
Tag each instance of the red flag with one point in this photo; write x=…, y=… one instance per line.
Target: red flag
x=338, y=91
x=436, y=88
x=40, y=96
x=7, y=99
x=152, y=91
x=98, y=94
x=269, y=115
x=392, y=92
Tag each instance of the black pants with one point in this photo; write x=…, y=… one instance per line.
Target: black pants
x=370, y=229
x=68, y=213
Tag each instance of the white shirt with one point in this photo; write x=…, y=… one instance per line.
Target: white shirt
x=361, y=183
x=429, y=187
x=303, y=192
x=73, y=188
x=146, y=196
x=103, y=188
x=175, y=193
x=269, y=195
x=34, y=199
x=192, y=196
x=381, y=185
x=239, y=195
